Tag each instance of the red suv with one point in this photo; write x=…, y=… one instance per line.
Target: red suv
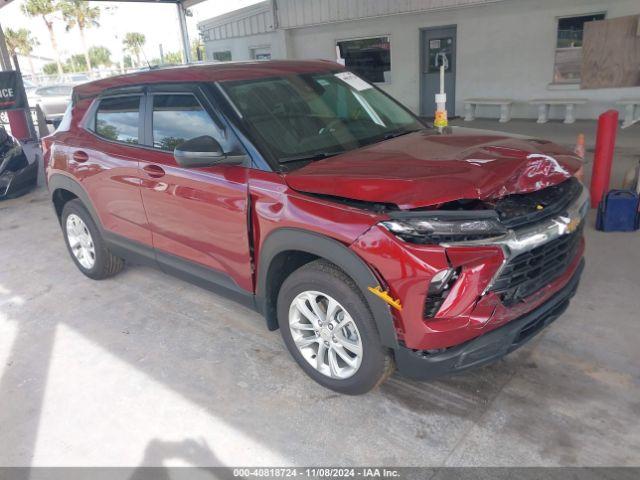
x=368, y=238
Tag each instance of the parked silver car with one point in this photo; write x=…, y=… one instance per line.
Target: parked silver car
x=53, y=100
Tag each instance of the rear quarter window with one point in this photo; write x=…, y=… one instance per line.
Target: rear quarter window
x=65, y=123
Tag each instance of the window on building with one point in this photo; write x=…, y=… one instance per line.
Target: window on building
x=568, y=63
x=118, y=119
x=222, y=56
x=261, y=53
x=370, y=58
x=178, y=118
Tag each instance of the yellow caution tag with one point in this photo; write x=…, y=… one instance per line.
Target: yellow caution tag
x=441, y=119
x=384, y=295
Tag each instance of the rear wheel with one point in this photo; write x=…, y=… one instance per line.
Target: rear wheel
x=85, y=244
x=329, y=330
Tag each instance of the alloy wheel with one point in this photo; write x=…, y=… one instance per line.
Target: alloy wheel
x=80, y=241
x=325, y=334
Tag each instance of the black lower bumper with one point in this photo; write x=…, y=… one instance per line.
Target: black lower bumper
x=490, y=346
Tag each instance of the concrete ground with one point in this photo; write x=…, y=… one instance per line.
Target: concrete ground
x=144, y=369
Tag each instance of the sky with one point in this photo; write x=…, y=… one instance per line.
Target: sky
x=158, y=22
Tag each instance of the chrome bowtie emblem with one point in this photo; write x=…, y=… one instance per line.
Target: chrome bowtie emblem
x=567, y=224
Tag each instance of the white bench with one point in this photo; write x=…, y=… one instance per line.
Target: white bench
x=569, y=103
x=630, y=105
x=471, y=107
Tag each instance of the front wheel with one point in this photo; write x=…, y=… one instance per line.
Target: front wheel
x=329, y=330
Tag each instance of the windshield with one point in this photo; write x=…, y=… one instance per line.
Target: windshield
x=313, y=116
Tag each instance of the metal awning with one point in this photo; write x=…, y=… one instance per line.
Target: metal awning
x=181, y=6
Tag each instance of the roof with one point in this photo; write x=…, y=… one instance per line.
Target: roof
x=211, y=72
x=185, y=3
x=252, y=20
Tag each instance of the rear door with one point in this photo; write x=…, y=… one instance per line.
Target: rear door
x=198, y=216
x=105, y=160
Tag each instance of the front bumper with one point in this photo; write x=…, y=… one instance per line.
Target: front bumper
x=491, y=346
x=473, y=307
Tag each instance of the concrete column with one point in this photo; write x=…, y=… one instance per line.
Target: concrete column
x=5, y=60
x=184, y=33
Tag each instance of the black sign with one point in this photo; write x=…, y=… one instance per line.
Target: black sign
x=11, y=91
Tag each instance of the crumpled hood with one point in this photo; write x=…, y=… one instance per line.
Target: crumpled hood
x=427, y=168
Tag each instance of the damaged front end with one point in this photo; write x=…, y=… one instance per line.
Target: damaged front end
x=472, y=265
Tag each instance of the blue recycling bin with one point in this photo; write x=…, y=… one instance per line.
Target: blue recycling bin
x=618, y=212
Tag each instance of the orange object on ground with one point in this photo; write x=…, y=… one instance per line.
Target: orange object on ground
x=579, y=150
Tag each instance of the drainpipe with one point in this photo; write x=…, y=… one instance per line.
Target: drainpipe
x=184, y=33
x=274, y=14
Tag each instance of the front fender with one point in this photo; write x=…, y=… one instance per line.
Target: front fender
x=292, y=239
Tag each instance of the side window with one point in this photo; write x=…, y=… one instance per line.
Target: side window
x=118, y=119
x=177, y=118
x=568, y=64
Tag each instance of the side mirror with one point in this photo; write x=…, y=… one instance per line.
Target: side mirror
x=201, y=151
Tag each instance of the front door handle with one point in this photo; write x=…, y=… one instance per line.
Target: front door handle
x=153, y=171
x=80, y=156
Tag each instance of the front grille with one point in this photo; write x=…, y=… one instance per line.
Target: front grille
x=530, y=271
x=525, y=209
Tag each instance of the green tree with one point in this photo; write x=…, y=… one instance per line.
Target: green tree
x=76, y=63
x=173, y=58
x=133, y=43
x=21, y=42
x=106, y=130
x=126, y=61
x=50, y=68
x=44, y=9
x=78, y=13
x=197, y=50
x=100, y=56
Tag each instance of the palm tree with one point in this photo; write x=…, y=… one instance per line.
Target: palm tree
x=133, y=42
x=79, y=13
x=21, y=42
x=44, y=8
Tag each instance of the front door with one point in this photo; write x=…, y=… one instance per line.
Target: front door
x=437, y=46
x=195, y=214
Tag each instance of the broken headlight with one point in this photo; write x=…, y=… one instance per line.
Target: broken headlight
x=445, y=229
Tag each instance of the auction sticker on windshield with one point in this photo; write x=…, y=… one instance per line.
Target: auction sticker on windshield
x=353, y=81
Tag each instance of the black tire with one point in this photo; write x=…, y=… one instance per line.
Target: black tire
x=106, y=264
x=322, y=276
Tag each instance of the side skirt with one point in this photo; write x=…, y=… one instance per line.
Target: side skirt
x=203, y=277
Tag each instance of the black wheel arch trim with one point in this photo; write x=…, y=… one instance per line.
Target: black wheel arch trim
x=58, y=181
x=287, y=239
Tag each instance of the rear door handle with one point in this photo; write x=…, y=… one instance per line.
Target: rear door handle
x=80, y=156
x=153, y=171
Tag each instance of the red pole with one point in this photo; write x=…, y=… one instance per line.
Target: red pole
x=18, y=124
x=603, y=157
